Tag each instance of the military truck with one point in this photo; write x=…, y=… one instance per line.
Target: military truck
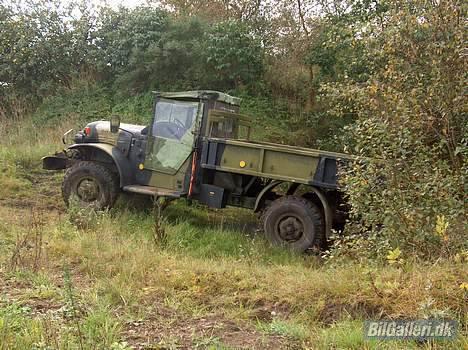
x=198, y=147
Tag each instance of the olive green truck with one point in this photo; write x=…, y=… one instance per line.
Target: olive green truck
x=198, y=147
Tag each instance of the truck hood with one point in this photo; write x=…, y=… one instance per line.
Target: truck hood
x=99, y=131
x=104, y=126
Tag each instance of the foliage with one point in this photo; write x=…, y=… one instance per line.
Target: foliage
x=134, y=109
x=411, y=123
x=338, y=49
x=393, y=71
x=234, y=55
x=122, y=34
x=41, y=46
x=46, y=46
x=168, y=59
x=83, y=101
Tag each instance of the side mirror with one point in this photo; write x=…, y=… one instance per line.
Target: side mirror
x=114, y=124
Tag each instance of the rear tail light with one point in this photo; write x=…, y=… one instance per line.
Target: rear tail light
x=87, y=130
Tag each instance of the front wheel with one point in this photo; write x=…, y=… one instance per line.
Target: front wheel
x=293, y=222
x=90, y=184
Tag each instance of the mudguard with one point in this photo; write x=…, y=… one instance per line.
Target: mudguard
x=62, y=161
x=121, y=162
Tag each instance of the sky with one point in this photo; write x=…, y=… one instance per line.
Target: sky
x=113, y=3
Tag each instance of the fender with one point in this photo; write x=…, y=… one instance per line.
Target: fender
x=326, y=210
x=262, y=193
x=121, y=162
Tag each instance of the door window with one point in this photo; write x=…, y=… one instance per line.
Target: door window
x=172, y=138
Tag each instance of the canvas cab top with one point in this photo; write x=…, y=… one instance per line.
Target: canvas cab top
x=200, y=94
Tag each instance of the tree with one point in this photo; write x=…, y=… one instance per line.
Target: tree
x=124, y=32
x=217, y=10
x=234, y=55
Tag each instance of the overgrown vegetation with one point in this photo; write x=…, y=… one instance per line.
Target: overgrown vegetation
x=411, y=193
x=384, y=80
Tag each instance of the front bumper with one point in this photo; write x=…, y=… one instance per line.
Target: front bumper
x=56, y=162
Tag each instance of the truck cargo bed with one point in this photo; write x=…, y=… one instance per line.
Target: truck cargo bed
x=274, y=161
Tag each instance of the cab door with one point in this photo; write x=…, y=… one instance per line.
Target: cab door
x=171, y=138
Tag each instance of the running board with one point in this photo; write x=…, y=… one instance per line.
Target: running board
x=153, y=191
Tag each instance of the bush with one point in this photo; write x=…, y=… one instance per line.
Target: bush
x=409, y=193
x=85, y=100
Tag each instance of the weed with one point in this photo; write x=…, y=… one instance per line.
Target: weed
x=210, y=342
x=85, y=218
x=73, y=308
x=286, y=328
x=28, y=249
x=160, y=237
x=102, y=329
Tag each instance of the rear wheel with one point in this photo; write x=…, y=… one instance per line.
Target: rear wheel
x=293, y=222
x=90, y=184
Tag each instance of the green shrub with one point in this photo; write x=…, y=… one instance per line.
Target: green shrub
x=86, y=101
x=409, y=191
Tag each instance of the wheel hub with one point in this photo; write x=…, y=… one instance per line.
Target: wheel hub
x=291, y=229
x=88, y=190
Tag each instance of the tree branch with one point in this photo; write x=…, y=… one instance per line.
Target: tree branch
x=301, y=16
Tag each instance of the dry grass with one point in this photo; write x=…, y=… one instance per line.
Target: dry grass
x=148, y=295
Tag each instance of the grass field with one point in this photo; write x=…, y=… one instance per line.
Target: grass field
x=83, y=280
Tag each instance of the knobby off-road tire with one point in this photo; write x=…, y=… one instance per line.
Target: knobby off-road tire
x=90, y=184
x=294, y=222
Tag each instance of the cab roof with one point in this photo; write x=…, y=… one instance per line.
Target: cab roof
x=200, y=94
